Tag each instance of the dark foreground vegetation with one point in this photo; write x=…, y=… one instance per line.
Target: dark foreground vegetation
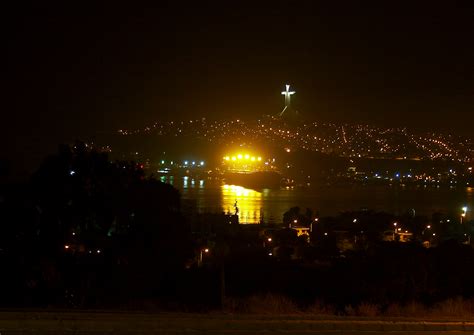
x=85, y=232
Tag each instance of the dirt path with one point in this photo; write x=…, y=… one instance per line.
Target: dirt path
x=67, y=322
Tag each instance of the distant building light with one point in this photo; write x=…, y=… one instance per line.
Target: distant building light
x=162, y=162
x=202, y=163
x=72, y=173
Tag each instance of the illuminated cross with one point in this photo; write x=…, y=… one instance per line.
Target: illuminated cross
x=287, y=95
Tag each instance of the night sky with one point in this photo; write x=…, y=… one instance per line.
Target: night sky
x=73, y=70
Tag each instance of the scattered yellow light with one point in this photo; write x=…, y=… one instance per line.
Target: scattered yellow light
x=239, y=156
x=253, y=159
x=234, y=158
x=259, y=159
x=247, y=156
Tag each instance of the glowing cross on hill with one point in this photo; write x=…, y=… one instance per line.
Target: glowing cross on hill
x=287, y=95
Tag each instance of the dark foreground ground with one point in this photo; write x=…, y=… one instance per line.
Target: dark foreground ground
x=67, y=322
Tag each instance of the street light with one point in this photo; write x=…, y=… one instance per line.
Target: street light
x=295, y=222
x=463, y=213
x=205, y=250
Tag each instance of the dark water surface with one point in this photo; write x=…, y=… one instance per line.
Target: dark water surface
x=215, y=197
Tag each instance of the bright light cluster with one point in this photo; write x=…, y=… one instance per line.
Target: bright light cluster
x=242, y=157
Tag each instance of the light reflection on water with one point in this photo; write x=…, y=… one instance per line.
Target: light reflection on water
x=248, y=202
x=212, y=196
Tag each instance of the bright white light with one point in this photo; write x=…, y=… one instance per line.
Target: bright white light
x=464, y=209
x=185, y=162
x=72, y=173
x=194, y=163
x=202, y=163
